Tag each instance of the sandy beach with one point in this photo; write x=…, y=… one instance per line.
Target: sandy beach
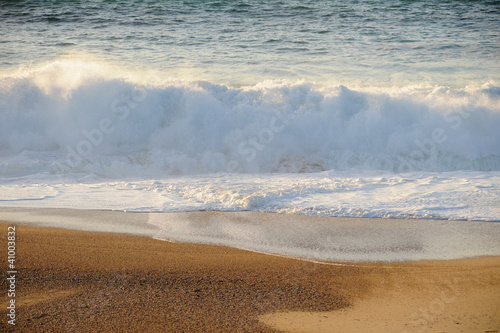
x=250, y=166
x=84, y=281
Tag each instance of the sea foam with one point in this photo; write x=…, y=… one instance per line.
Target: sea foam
x=84, y=117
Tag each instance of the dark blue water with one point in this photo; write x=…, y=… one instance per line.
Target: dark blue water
x=380, y=43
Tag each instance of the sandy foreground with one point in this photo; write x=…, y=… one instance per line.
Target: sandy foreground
x=75, y=281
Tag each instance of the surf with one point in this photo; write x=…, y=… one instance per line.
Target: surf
x=86, y=117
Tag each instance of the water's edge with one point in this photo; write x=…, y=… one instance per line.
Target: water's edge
x=299, y=236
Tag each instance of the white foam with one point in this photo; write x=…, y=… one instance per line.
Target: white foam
x=457, y=195
x=100, y=140
x=80, y=117
x=28, y=192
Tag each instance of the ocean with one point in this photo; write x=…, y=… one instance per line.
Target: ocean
x=326, y=108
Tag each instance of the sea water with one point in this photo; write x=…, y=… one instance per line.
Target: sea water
x=329, y=108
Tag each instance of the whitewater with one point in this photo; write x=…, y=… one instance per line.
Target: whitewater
x=277, y=146
x=151, y=108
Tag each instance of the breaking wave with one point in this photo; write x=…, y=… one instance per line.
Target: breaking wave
x=85, y=117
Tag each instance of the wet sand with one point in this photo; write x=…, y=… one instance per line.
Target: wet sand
x=84, y=281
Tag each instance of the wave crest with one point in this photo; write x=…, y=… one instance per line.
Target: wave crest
x=99, y=122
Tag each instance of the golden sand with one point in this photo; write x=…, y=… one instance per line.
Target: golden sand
x=93, y=282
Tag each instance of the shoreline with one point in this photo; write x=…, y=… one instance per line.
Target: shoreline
x=313, y=238
x=102, y=281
